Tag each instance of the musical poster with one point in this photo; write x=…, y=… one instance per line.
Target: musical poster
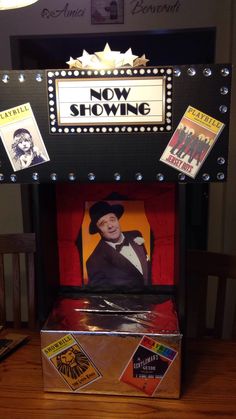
x=192, y=141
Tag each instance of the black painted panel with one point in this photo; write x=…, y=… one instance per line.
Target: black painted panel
x=126, y=153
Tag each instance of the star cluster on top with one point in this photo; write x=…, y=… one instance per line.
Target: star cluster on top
x=107, y=59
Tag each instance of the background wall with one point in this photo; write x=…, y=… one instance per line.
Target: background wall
x=74, y=17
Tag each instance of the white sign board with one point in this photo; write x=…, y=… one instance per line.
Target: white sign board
x=141, y=102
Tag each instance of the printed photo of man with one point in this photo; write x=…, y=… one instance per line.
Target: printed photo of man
x=120, y=259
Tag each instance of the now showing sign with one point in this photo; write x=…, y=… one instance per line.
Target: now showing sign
x=113, y=101
x=110, y=104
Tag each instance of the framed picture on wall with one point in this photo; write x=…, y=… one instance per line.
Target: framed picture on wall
x=107, y=11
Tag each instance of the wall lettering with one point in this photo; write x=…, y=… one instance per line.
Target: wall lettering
x=65, y=12
x=144, y=7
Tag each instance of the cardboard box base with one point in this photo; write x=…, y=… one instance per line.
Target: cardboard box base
x=118, y=345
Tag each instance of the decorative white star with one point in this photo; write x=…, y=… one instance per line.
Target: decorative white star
x=107, y=57
x=119, y=60
x=95, y=63
x=128, y=57
x=85, y=59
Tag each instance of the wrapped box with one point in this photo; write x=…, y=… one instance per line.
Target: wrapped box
x=115, y=335
x=112, y=344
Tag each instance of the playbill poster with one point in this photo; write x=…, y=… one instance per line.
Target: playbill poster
x=21, y=137
x=148, y=365
x=192, y=141
x=71, y=362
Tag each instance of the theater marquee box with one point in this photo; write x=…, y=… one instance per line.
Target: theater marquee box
x=113, y=344
x=128, y=139
x=129, y=338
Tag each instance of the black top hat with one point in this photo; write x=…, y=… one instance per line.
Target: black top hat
x=99, y=209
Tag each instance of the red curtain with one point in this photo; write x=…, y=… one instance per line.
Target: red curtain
x=159, y=202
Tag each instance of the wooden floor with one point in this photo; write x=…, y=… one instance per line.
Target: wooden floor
x=209, y=389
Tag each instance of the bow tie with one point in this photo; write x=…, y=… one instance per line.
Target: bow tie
x=125, y=242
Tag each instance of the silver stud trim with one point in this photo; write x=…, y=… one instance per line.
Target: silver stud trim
x=71, y=177
x=207, y=72
x=224, y=72
x=160, y=177
x=191, y=71
x=91, y=176
x=220, y=176
x=5, y=78
x=13, y=178
x=117, y=176
x=223, y=108
x=35, y=176
x=206, y=177
x=221, y=160
x=53, y=176
x=138, y=176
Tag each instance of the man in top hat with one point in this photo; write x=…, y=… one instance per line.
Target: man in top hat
x=120, y=260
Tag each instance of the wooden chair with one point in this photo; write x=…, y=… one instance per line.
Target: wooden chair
x=222, y=267
x=15, y=245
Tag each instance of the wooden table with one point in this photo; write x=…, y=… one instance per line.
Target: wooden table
x=209, y=389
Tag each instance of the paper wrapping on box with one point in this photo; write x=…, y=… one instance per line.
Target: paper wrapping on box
x=112, y=344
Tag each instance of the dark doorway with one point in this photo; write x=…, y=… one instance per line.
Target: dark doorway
x=193, y=46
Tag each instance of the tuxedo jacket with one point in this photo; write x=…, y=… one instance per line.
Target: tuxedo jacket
x=108, y=269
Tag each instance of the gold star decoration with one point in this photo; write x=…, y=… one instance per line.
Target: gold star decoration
x=71, y=63
x=78, y=64
x=107, y=59
x=140, y=61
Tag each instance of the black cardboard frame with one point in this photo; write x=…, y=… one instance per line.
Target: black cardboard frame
x=120, y=157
